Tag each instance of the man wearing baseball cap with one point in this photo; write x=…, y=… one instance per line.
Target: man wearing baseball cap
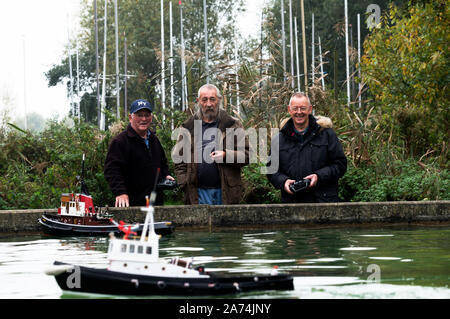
x=135, y=157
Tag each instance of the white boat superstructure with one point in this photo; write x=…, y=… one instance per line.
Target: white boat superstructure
x=141, y=256
x=75, y=205
x=136, y=269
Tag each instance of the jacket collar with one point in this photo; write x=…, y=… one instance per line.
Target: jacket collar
x=224, y=120
x=288, y=128
x=132, y=133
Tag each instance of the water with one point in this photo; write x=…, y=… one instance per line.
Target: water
x=326, y=262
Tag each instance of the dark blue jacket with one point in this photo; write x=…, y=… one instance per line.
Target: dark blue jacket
x=320, y=153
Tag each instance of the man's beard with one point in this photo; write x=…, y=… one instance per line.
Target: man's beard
x=210, y=114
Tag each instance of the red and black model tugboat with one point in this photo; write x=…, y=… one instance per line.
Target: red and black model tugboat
x=77, y=216
x=136, y=269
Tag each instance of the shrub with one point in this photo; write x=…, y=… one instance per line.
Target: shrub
x=407, y=180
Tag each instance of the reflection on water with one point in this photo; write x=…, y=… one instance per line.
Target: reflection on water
x=351, y=262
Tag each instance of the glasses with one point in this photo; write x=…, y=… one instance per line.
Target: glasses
x=299, y=108
x=143, y=115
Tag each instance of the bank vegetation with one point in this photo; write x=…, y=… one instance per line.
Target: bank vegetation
x=396, y=140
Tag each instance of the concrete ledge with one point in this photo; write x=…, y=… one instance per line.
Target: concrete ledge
x=234, y=215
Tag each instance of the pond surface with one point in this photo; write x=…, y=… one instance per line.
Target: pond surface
x=402, y=261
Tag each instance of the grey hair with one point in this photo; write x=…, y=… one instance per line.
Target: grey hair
x=210, y=87
x=299, y=95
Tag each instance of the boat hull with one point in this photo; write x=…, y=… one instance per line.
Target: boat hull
x=103, y=281
x=52, y=225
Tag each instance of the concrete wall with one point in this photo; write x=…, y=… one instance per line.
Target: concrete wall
x=233, y=215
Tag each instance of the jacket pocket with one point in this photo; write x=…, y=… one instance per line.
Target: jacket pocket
x=287, y=155
x=232, y=177
x=319, y=153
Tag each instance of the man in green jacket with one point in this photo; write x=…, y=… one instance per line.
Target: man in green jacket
x=211, y=149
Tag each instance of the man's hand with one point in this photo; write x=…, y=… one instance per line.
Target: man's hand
x=122, y=201
x=313, y=178
x=287, y=183
x=170, y=178
x=218, y=156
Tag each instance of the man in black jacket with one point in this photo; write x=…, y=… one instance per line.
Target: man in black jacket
x=307, y=150
x=135, y=159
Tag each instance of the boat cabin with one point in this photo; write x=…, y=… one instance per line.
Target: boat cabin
x=132, y=250
x=142, y=257
x=79, y=205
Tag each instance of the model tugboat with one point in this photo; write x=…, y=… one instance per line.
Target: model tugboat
x=77, y=216
x=136, y=269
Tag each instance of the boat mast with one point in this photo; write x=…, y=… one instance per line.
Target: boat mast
x=83, y=187
x=149, y=226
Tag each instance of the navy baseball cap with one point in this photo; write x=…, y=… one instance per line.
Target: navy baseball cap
x=139, y=105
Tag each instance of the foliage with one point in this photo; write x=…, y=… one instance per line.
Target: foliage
x=329, y=17
x=257, y=188
x=139, y=22
x=396, y=143
x=37, y=168
x=408, y=180
x=406, y=66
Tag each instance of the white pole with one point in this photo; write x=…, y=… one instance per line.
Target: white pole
x=305, y=63
x=347, y=62
x=24, y=85
x=292, y=44
x=97, y=69
x=206, y=42
x=321, y=65
x=78, y=81
x=70, y=67
x=296, y=54
x=359, y=61
x=102, y=117
x=184, y=92
x=125, y=79
x=116, y=23
x=283, y=39
x=238, y=103
x=163, y=82
x=260, y=62
x=312, y=50
x=171, y=60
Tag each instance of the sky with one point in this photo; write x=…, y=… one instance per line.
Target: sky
x=34, y=35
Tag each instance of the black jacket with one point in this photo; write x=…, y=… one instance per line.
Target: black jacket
x=131, y=168
x=320, y=153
